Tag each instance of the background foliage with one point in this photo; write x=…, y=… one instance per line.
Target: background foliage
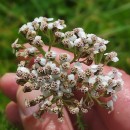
x=106, y=18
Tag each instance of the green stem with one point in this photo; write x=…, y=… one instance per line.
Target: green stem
x=41, y=50
x=89, y=95
x=99, y=58
x=51, y=39
x=100, y=103
x=80, y=121
x=95, y=58
x=76, y=56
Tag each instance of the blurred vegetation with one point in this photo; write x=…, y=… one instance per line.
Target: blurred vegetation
x=106, y=18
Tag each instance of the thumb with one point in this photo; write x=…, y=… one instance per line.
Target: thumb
x=120, y=118
x=48, y=121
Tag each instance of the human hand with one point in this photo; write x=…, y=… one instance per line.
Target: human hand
x=97, y=118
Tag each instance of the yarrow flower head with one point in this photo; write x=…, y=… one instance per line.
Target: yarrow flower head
x=58, y=76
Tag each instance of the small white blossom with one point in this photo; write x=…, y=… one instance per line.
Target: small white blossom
x=31, y=50
x=42, y=61
x=70, y=36
x=99, y=47
x=59, y=34
x=81, y=33
x=65, y=90
x=65, y=66
x=50, y=25
x=78, y=65
x=40, y=19
x=119, y=85
x=78, y=42
x=114, y=97
x=23, y=69
x=84, y=89
x=64, y=57
x=50, y=55
x=110, y=105
x=34, y=72
x=37, y=41
x=112, y=56
x=74, y=110
x=15, y=45
x=68, y=43
x=71, y=77
x=92, y=80
x=59, y=24
x=94, y=68
x=89, y=40
x=26, y=27
x=115, y=74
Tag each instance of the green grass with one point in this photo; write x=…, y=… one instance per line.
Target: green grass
x=107, y=18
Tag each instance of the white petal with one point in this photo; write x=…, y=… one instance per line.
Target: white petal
x=41, y=19
x=82, y=34
x=60, y=26
x=104, y=83
x=35, y=73
x=115, y=59
x=103, y=48
x=50, y=25
x=89, y=40
x=31, y=49
x=110, y=104
x=53, y=54
x=109, y=90
x=71, y=44
x=92, y=80
x=73, y=38
x=94, y=68
x=77, y=41
x=42, y=61
x=37, y=20
x=106, y=54
x=114, y=97
x=78, y=64
x=23, y=69
x=71, y=77
x=106, y=42
x=50, y=19
x=38, y=38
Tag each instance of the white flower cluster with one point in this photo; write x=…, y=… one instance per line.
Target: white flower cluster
x=59, y=77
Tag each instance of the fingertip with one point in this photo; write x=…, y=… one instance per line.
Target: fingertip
x=9, y=86
x=48, y=122
x=12, y=113
x=21, y=97
x=120, y=117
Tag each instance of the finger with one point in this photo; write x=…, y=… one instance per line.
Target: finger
x=21, y=97
x=120, y=117
x=50, y=121
x=9, y=86
x=91, y=120
x=12, y=113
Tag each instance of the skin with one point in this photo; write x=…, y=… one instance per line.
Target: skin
x=97, y=117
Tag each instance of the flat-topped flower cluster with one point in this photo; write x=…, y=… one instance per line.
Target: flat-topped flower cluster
x=60, y=76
